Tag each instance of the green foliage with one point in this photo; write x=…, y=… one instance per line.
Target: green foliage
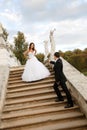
x=78, y=61
x=85, y=51
x=77, y=58
x=77, y=51
x=67, y=55
x=40, y=57
x=5, y=34
x=85, y=73
x=20, y=46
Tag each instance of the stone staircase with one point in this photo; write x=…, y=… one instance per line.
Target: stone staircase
x=32, y=106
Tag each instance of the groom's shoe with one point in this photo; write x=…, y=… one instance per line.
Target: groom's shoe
x=68, y=106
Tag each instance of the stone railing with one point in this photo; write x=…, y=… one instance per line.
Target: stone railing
x=4, y=74
x=77, y=84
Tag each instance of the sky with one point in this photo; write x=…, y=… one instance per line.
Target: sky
x=35, y=18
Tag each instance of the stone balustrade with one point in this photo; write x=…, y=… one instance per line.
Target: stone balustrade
x=4, y=74
x=77, y=84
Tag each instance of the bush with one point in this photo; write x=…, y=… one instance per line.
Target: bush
x=40, y=57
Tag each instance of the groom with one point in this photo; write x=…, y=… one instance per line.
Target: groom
x=60, y=79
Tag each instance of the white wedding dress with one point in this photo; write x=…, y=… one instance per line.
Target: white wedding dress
x=34, y=70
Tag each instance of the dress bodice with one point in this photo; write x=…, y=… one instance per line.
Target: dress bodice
x=31, y=55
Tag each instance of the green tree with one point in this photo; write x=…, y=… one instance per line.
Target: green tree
x=77, y=58
x=77, y=51
x=61, y=53
x=85, y=51
x=5, y=34
x=77, y=61
x=40, y=57
x=20, y=46
x=67, y=55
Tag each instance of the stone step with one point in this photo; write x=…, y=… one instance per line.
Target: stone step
x=32, y=105
x=18, y=68
x=40, y=82
x=26, y=94
x=72, y=124
x=14, y=78
x=15, y=69
x=32, y=97
x=20, y=81
x=16, y=72
x=30, y=88
x=78, y=127
x=60, y=118
x=27, y=99
x=19, y=75
x=41, y=110
x=21, y=70
x=30, y=93
x=38, y=111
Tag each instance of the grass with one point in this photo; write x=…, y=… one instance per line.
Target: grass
x=85, y=73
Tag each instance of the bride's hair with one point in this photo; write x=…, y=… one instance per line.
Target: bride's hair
x=33, y=46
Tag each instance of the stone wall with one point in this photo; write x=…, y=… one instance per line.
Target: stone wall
x=8, y=58
x=77, y=84
x=4, y=74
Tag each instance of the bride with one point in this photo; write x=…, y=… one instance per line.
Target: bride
x=34, y=69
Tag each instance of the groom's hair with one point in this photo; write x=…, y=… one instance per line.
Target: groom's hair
x=57, y=54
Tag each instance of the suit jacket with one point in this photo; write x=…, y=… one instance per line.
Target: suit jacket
x=58, y=69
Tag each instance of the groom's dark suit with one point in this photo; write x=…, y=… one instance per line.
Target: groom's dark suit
x=60, y=79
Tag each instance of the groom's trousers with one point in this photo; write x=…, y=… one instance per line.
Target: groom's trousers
x=65, y=89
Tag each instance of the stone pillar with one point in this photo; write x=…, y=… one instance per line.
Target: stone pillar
x=46, y=49
x=52, y=42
